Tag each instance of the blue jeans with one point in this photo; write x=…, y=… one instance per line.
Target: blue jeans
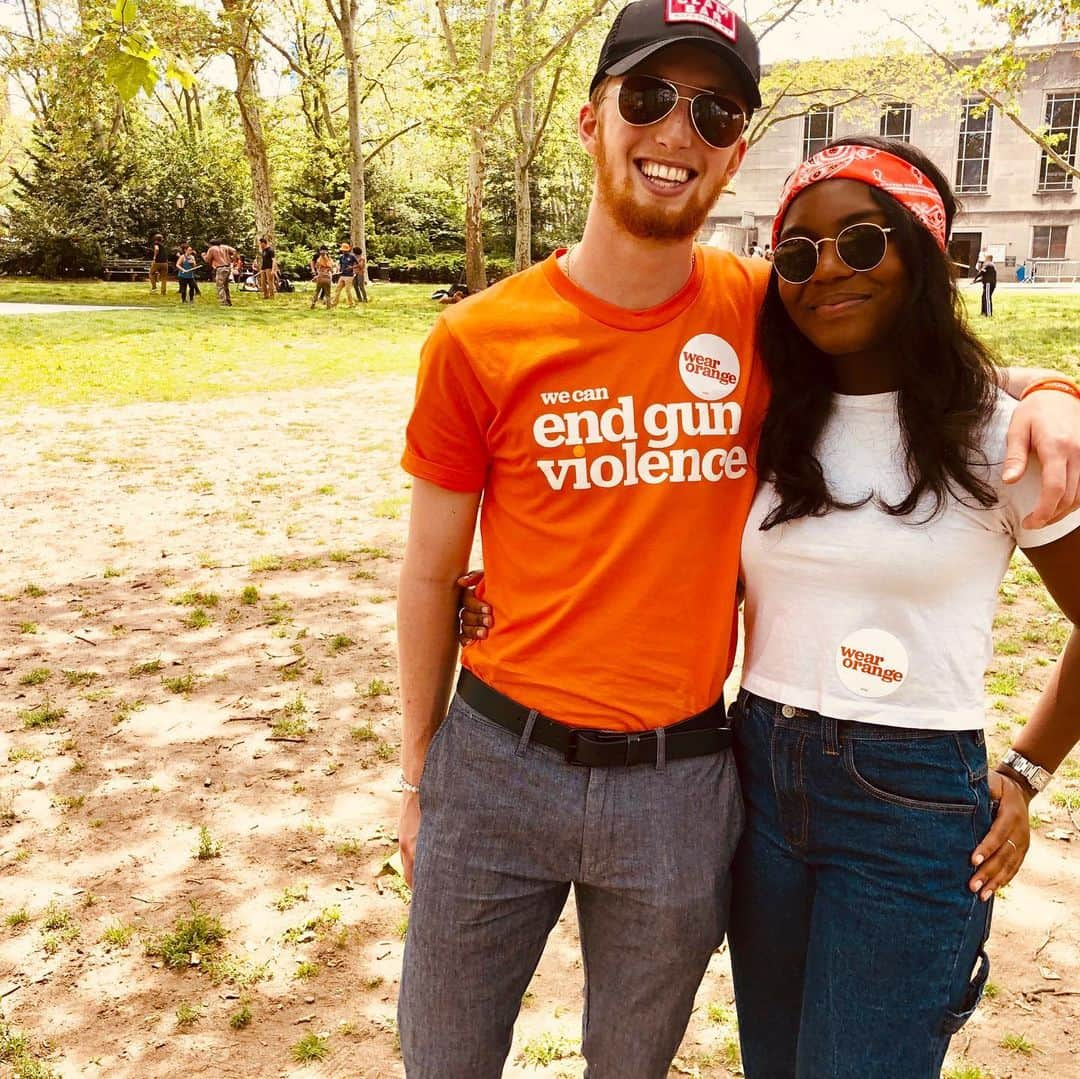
x=856, y=946
x=507, y=828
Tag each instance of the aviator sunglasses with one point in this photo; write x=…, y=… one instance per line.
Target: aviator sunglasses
x=645, y=100
x=859, y=247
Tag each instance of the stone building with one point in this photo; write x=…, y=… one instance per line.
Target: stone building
x=1017, y=204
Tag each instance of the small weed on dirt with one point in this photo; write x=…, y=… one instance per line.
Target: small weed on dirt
x=208, y=847
x=191, y=936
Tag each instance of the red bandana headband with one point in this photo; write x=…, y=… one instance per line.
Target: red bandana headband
x=877, y=168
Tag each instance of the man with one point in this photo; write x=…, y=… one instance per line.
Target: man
x=347, y=263
x=609, y=421
x=267, y=269
x=219, y=257
x=987, y=275
x=598, y=412
x=159, y=262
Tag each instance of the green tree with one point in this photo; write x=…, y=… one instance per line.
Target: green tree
x=482, y=72
x=239, y=25
x=998, y=76
x=68, y=209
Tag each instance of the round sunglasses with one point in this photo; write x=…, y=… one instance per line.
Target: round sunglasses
x=860, y=247
x=645, y=100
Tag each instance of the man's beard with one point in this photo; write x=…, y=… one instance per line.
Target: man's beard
x=649, y=219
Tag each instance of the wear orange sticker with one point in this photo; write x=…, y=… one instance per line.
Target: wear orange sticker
x=871, y=663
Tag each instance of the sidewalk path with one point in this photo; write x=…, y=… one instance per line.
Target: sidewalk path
x=55, y=308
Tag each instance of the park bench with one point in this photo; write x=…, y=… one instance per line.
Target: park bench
x=133, y=269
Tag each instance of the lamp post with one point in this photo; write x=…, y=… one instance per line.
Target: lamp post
x=181, y=202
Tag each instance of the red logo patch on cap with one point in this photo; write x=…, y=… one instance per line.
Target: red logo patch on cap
x=710, y=13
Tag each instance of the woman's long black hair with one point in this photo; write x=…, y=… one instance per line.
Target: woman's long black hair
x=947, y=377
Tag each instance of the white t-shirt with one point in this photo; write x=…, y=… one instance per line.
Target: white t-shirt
x=863, y=616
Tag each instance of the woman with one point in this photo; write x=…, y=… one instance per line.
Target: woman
x=185, y=273
x=872, y=558
x=322, y=273
x=878, y=544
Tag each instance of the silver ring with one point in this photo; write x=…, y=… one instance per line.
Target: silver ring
x=1013, y=845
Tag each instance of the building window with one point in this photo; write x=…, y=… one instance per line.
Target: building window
x=817, y=130
x=896, y=122
x=973, y=154
x=1049, y=241
x=1062, y=118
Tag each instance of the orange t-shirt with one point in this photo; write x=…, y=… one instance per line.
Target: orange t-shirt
x=615, y=452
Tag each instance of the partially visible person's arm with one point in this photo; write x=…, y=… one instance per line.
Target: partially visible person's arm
x=441, y=529
x=1014, y=380
x=1054, y=728
x=1046, y=423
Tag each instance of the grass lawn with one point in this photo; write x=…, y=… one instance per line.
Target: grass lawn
x=1031, y=329
x=165, y=352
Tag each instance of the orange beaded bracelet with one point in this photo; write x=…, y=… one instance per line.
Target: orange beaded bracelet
x=1060, y=383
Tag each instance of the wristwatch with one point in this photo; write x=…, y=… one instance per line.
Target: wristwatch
x=1035, y=776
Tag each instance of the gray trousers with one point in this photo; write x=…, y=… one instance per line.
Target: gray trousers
x=222, y=276
x=506, y=829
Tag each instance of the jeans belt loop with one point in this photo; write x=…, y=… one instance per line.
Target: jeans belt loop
x=830, y=731
x=526, y=734
x=661, y=749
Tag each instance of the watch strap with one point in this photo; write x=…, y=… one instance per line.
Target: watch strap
x=1033, y=774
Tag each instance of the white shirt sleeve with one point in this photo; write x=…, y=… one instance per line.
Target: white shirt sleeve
x=1019, y=499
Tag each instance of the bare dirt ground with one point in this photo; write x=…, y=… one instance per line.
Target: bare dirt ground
x=198, y=632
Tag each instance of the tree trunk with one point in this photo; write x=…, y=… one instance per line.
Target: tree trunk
x=198, y=107
x=526, y=121
x=357, y=190
x=475, y=273
x=247, y=98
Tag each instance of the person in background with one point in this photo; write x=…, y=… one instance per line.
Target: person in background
x=219, y=257
x=347, y=263
x=267, y=269
x=185, y=273
x=360, y=277
x=158, y=254
x=194, y=290
x=322, y=273
x=987, y=275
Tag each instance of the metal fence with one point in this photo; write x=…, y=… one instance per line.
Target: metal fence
x=731, y=237
x=1050, y=271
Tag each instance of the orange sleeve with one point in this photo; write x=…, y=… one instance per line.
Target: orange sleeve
x=446, y=439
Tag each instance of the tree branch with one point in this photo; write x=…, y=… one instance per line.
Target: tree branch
x=447, y=33
x=1009, y=110
x=389, y=139
x=539, y=64
x=533, y=147
x=792, y=7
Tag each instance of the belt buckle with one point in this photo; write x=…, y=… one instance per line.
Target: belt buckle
x=572, y=745
x=628, y=739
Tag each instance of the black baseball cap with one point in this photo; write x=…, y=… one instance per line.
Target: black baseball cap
x=645, y=27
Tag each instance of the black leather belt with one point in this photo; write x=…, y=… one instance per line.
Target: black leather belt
x=698, y=736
